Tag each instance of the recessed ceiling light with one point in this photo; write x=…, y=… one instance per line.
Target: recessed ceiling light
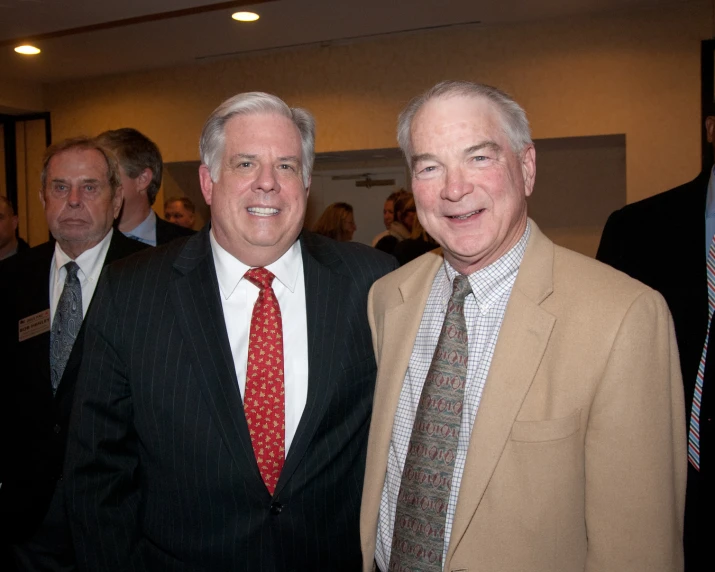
x=245, y=16
x=27, y=50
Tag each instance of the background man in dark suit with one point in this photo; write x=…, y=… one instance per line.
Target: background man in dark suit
x=82, y=196
x=10, y=243
x=172, y=462
x=140, y=168
x=663, y=241
x=181, y=211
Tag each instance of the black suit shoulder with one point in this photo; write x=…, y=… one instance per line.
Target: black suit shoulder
x=147, y=259
x=667, y=204
x=166, y=231
x=121, y=246
x=28, y=258
x=663, y=228
x=22, y=245
x=353, y=259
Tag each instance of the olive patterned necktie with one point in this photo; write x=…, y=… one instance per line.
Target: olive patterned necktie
x=421, y=512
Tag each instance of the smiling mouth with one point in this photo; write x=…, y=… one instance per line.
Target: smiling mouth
x=465, y=216
x=263, y=211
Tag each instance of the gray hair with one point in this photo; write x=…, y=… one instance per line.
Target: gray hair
x=83, y=144
x=513, y=117
x=135, y=152
x=213, y=135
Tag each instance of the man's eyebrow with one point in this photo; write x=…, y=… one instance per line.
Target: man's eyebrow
x=492, y=145
x=240, y=157
x=288, y=158
x=423, y=157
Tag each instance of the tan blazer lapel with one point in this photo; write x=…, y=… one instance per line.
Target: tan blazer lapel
x=522, y=342
x=395, y=339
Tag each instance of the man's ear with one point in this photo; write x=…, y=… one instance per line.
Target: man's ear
x=710, y=127
x=42, y=197
x=117, y=201
x=144, y=180
x=207, y=185
x=307, y=188
x=528, y=169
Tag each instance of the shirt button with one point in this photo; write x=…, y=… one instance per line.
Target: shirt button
x=276, y=508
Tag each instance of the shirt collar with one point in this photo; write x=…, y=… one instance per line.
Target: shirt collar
x=491, y=282
x=145, y=231
x=230, y=270
x=90, y=262
x=710, y=201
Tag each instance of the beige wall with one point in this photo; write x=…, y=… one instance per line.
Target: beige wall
x=20, y=96
x=30, y=137
x=634, y=73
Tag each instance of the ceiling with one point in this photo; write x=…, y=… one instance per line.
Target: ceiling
x=86, y=38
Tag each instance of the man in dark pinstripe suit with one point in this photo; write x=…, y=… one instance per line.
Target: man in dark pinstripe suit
x=161, y=468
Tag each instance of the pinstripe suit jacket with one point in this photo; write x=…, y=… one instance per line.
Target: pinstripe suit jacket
x=161, y=469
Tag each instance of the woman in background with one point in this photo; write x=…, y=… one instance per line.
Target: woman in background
x=388, y=213
x=337, y=222
x=401, y=227
x=418, y=244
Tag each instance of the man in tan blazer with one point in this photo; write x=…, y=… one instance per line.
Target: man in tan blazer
x=567, y=447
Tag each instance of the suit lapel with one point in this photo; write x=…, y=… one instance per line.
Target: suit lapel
x=325, y=296
x=522, y=341
x=195, y=295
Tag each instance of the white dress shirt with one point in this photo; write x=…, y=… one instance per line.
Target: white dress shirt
x=483, y=312
x=238, y=296
x=145, y=231
x=90, y=264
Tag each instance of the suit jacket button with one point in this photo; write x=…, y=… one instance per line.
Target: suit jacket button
x=276, y=508
x=57, y=428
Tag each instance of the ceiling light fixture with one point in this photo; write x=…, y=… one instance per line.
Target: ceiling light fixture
x=27, y=50
x=245, y=16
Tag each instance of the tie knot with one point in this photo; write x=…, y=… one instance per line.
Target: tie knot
x=260, y=277
x=460, y=288
x=72, y=268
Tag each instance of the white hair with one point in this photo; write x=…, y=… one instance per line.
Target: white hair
x=213, y=136
x=513, y=117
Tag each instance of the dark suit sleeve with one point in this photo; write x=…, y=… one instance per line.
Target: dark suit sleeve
x=101, y=462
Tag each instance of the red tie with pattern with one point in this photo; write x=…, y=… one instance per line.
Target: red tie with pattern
x=264, y=395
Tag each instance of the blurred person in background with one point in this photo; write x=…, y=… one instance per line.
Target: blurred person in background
x=401, y=226
x=337, y=222
x=181, y=211
x=10, y=243
x=419, y=243
x=140, y=168
x=388, y=214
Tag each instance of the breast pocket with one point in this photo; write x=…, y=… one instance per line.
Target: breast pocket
x=548, y=430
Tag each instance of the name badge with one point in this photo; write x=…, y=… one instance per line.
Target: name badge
x=34, y=325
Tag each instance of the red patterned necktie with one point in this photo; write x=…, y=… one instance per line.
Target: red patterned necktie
x=264, y=395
